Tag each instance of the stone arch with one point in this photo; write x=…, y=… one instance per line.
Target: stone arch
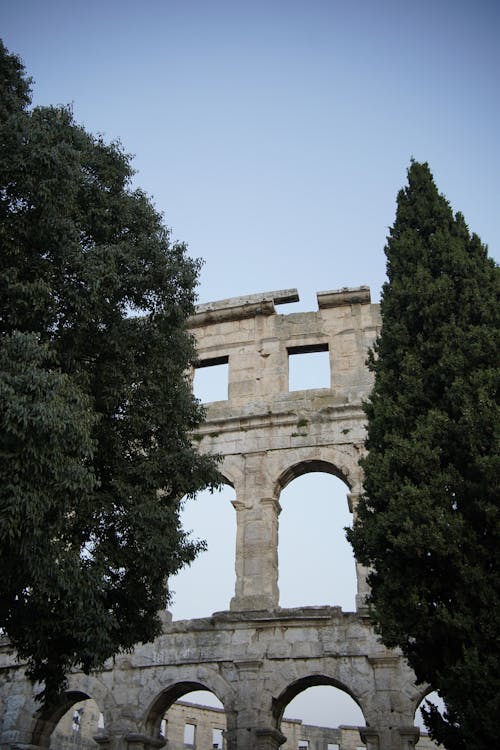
x=211, y=517
x=80, y=688
x=48, y=718
x=230, y=471
x=420, y=694
x=165, y=699
x=303, y=683
x=308, y=466
x=340, y=462
x=319, y=526
x=159, y=703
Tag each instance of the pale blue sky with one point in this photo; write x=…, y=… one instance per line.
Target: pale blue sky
x=274, y=136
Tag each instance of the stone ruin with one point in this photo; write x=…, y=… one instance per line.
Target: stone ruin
x=188, y=726
x=255, y=656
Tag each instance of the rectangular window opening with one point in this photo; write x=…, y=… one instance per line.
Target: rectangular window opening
x=189, y=734
x=303, y=744
x=217, y=739
x=211, y=377
x=308, y=367
x=332, y=746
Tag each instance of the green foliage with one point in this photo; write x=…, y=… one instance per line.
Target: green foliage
x=95, y=407
x=429, y=520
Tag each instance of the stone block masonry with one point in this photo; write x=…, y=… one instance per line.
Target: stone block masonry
x=255, y=656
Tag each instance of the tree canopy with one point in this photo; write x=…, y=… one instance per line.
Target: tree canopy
x=95, y=407
x=428, y=522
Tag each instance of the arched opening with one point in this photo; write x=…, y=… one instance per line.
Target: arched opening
x=189, y=716
x=207, y=585
x=319, y=712
x=73, y=723
x=434, y=698
x=316, y=562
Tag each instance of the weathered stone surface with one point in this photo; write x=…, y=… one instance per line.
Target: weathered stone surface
x=255, y=657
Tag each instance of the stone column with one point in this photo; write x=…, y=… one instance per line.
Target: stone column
x=409, y=737
x=389, y=710
x=268, y=739
x=239, y=563
x=256, y=555
x=371, y=738
x=230, y=739
x=389, y=738
x=251, y=723
x=260, y=738
x=256, y=538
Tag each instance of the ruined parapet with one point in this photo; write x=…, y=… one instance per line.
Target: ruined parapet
x=256, y=341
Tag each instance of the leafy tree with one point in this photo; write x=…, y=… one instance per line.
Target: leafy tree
x=428, y=522
x=95, y=408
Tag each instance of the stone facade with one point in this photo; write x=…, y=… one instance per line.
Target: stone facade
x=255, y=656
x=191, y=726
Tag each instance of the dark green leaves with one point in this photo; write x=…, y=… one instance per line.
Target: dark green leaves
x=428, y=524
x=96, y=410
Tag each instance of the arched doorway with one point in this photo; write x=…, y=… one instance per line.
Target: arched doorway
x=188, y=715
x=316, y=562
x=207, y=585
x=196, y=720
x=72, y=724
x=78, y=727
x=319, y=712
x=425, y=741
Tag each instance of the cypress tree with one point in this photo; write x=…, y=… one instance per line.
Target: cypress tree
x=429, y=519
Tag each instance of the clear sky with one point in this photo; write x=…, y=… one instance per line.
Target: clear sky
x=275, y=135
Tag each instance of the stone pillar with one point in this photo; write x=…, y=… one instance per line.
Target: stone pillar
x=251, y=723
x=409, y=737
x=256, y=555
x=230, y=739
x=256, y=539
x=271, y=509
x=260, y=738
x=268, y=739
x=389, y=738
x=389, y=709
x=239, y=563
x=371, y=738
